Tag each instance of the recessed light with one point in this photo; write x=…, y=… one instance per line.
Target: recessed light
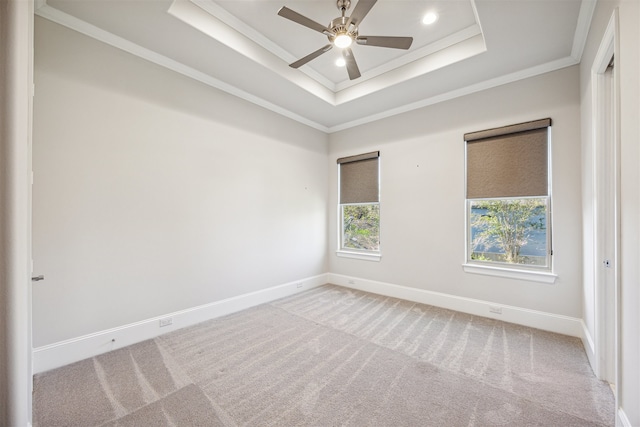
x=429, y=18
x=340, y=62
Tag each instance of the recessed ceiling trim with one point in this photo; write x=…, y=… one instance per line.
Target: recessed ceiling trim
x=66, y=20
x=203, y=21
x=237, y=25
x=414, y=55
x=458, y=52
x=474, y=7
x=216, y=22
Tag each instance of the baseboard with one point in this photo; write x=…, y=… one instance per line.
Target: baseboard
x=536, y=319
x=589, y=346
x=65, y=352
x=622, y=420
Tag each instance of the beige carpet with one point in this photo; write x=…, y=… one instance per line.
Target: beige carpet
x=333, y=356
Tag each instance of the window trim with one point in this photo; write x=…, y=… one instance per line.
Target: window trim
x=364, y=254
x=517, y=271
x=512, y=273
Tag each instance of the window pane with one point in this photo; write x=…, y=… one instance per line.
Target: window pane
x=512, y=231
x=361, y=227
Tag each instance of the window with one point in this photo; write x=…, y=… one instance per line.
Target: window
x=508, y=197
x=359, y=206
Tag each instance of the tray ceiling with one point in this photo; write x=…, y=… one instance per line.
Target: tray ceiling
x=243, y=47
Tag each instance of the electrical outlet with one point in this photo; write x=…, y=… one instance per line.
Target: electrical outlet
x=495, y=310
x=166, y=321
x=298, y=285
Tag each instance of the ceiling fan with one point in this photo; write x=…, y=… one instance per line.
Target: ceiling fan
x=342, y=32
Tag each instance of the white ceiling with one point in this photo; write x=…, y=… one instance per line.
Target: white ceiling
x=243, y=47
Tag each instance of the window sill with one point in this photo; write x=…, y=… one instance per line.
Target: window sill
x=530, y=275
x=359, y=255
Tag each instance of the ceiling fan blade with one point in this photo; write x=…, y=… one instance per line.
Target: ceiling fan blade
x=300, y=62
x=360, y=11
x=352, y=67
x=294, y=16
x=383, y=41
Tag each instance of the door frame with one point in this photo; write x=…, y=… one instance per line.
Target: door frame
x=606, y=138
x=17, y=18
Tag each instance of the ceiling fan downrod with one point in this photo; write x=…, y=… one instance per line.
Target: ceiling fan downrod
x=341, y=32
x=343, y=5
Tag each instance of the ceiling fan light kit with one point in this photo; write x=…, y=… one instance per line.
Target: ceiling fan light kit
x=342, y=32
x=342, y=40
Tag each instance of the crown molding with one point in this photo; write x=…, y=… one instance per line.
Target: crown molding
x=587, y=9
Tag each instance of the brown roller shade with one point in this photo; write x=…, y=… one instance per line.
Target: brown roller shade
x=508, y=162
x=505, y=130
x=359, y=178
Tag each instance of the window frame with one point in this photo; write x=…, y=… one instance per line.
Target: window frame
x=346, y=252
x=544, y=274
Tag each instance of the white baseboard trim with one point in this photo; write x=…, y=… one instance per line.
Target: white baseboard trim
x=522, y=316
x=622, y=420
x=65, y=352
x=589, y=346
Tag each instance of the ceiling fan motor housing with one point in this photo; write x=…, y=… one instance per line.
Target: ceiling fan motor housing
x=339, y=26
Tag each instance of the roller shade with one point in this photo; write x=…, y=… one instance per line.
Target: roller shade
x=508, y=162
x=359, y=181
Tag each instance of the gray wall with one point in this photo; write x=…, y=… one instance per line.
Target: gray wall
x=154, y=193
x=423, y=201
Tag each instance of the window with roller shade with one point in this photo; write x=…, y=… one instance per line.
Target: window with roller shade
x=359, y=203
x=508, y=196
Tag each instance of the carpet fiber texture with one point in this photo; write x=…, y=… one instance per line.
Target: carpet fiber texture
x=333, y=356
